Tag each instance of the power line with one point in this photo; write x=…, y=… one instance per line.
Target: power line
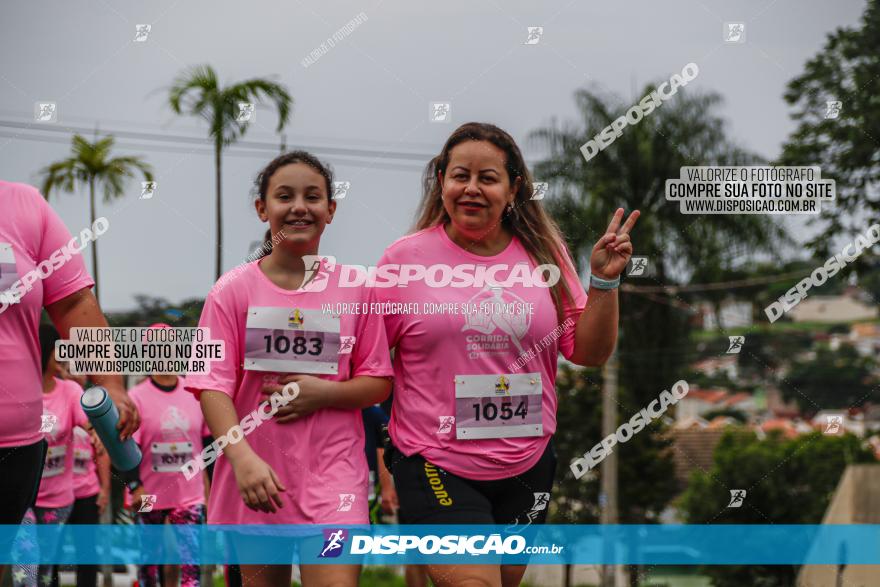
x=421, y=158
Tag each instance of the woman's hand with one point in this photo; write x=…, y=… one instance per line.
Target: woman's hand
x=314, y=394
x=612, y=252
x=257, y=483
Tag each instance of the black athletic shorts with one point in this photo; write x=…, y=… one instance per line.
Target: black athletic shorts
x=21, y=469
x=430, y=495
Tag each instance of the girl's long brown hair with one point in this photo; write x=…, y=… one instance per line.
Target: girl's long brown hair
x=527, y=220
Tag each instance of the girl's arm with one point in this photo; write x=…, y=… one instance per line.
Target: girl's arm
x=102, y=462
x=257, y=482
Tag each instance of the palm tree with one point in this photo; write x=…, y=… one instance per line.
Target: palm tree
x=197, y=92
x=91, y=164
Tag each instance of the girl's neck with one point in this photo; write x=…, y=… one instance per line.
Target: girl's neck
x=165, y=380
x=285, y=267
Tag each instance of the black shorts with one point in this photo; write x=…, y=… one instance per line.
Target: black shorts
x=21, y=468
x=430, y=495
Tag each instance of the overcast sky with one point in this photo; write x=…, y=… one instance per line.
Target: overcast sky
x=368, y=94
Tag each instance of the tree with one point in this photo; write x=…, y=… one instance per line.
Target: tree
x=151, y=310
x=786, y=482
x=832, y=380
x=847, y=69
x=197, y=92
x=91, y=164
x=655, y=340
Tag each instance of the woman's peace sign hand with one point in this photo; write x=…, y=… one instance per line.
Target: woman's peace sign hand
x=612, y=252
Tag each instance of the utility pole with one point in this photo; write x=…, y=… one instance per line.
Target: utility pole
x=608, y=471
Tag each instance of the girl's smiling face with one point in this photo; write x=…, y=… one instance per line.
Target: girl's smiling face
x=298, y=204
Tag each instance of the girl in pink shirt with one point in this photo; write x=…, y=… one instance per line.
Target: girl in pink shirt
x=61, y=414
x=306, y=464
x=474, y=402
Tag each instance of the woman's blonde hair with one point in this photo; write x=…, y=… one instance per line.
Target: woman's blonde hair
x=527, y=219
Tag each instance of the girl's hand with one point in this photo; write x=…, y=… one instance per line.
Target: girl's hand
x=612, y=252
x=103, y=500
x=314, y=395
x=258, y=484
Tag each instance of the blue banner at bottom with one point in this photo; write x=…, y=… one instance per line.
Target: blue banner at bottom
x=474, y=544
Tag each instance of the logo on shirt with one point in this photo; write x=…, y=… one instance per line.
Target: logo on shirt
x=334, y=540
x=295, y=320
x=502, y=386
x=174, y=423
x=500, y=318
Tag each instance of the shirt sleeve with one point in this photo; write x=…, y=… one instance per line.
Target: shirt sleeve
x=79, y=416
x=68, y=270
x=370, y=354
x=392, y=321
x=218, y=316
x=571, y=308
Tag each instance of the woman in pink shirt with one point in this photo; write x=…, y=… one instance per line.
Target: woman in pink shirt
x=305, y=464
x=61, y=414
x=40, y=267
x=474, y=403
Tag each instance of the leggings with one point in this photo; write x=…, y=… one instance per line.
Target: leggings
x=33, y=575
x=21, y=468
x=148, y=575
x=85, y=511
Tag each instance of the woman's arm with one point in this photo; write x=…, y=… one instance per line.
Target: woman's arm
x=596, y=332
x=79, y=310
x=316, y=394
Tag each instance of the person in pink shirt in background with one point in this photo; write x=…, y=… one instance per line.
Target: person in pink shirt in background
x=91, y=486
x=474, y=404
x=35, y=249
x=62, y=413
x=305, y=465
x=171, y=432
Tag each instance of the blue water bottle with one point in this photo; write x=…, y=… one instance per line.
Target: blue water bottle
x=104, y=416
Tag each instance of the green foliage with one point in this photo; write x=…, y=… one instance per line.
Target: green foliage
x=846, y=69
x=787, y=482
x=151, y=310
x=578, y=428
x=833, y=380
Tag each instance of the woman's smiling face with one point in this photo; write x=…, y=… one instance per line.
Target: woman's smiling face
x=476, y=187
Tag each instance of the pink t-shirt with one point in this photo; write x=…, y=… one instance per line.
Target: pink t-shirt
x=485, y=332
x=170, y=435
x=61, y=412
x=319, y=459
x=85, y=473
x=30, y=232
